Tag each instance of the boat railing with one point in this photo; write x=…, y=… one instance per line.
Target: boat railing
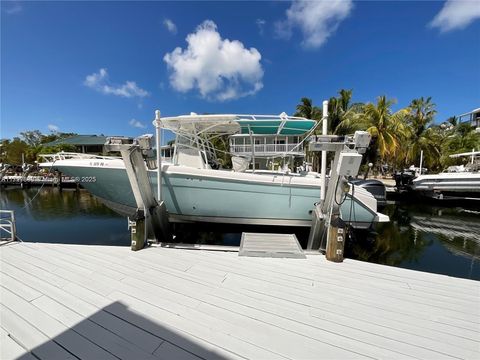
x=7, y=225
x=71, y=155
x=266, y=148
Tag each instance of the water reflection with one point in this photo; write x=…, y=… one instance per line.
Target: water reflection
x=49, y=214
x=424, y=237
x=47, y=202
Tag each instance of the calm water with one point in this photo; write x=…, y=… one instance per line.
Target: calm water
x=420, y=237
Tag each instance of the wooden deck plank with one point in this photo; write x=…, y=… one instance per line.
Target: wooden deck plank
x=142, y=318
x=168, y=351
x=55, y=291
x=100, y=336
x=95, y=314
x=53, y=329
x=332, y=319
x=197, y=304
x=214, y=344
x=339, y=285
x=29, y=264
x=333, y=278
x=203, y=299
x=253, y=332
x=10, y=349
x=343, y=302
x=230, y=265
x=181, y=311
x=362, y=298
x=316, y=264
x=390, y=339
x=20, y=289
x=90, y=264
x=31, y=338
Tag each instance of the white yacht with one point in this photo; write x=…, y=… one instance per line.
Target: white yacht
x=195, y=191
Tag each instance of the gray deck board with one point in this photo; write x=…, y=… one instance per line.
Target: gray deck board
x=164, y=303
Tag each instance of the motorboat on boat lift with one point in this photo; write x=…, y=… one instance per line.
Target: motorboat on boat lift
x=195, y=189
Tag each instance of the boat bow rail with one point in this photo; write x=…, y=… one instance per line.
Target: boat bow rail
x=72, y=155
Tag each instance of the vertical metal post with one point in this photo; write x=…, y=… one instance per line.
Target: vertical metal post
x=252, y=143
x=158, y=133
x=421, y=161
x=323, y=172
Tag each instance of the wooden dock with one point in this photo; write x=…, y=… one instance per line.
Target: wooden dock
x=98, y=302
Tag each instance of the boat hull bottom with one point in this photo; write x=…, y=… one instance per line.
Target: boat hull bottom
x=126, y=210
x=451, y=195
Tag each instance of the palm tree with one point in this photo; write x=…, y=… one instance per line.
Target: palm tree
x=386, y=128
x=429, y=141
x=421, y=136
x=307, y=110
x=337, y=107
x=422, y=113
x=463, y=138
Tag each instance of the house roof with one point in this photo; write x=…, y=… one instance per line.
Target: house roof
x=80, y=140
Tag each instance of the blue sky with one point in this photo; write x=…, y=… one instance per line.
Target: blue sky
x=104, y=67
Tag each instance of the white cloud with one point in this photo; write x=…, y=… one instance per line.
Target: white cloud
x=316, y=19
x=456, y=14
x=220, y=69
x=53, y=128
x=137, y=124
x=100, y=82
x=13, y=7
x=261, y=25
x=170, y=25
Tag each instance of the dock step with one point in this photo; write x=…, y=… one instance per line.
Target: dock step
x=270, y=245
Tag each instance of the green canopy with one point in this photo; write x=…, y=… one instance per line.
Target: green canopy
x=276, y=126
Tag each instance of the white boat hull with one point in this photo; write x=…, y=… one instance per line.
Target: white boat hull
x=204, y=195
x=460, y=185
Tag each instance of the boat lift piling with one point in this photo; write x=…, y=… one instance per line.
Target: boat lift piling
x=158, y=133
x=326, y=215
x=150, y=221
x=323, y=171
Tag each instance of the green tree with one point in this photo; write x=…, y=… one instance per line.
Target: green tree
x=32, y=137
x=386, y=128
x=12, y=151
x=337, y=108
x=463, y=138
x=307, y=110
x=421, y=137
x=422, y=114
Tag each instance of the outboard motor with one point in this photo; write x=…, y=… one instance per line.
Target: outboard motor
x=374, y=187
x=404, y=179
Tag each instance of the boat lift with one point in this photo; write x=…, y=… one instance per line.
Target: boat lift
x=326, y=215
x=150, y=221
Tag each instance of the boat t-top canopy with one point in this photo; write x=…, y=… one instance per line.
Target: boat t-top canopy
x=471, y=153
x=239, y=124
